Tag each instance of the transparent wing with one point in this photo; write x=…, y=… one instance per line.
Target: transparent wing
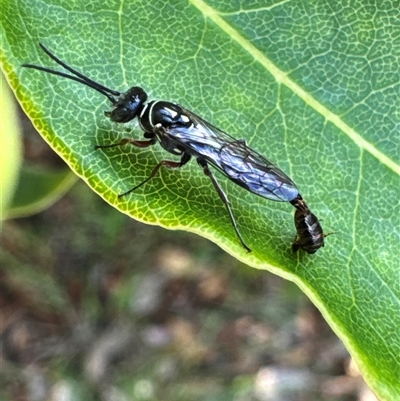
x=234, y=159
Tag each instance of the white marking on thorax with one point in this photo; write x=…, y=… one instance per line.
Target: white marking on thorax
x=143, y=110
x=151, y=113
x=172, y=112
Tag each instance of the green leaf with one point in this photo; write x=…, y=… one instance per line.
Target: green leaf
x=10, y=148
x=38, y=188
x=314, y=86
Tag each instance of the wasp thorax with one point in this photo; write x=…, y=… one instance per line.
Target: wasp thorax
x=128, y=105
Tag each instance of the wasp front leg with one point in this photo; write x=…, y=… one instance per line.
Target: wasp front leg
x=166, y=163
x=134, y=142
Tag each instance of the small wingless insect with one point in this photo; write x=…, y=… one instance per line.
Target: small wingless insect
x=183, y=133
x=310, y=236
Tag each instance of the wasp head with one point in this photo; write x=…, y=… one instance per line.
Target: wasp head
x=128, y=105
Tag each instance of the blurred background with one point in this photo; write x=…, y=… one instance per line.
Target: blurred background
x=96, y=306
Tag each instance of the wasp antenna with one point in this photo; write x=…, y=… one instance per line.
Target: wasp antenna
x=93, y=84
x=72, y=77
x=78, y=77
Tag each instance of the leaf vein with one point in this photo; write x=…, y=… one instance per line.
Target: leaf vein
x=283, y=78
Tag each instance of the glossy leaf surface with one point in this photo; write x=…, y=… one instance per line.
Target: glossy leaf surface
x=38, y=188
x=10, y=148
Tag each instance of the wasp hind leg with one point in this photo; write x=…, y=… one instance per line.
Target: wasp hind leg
x=224, y=199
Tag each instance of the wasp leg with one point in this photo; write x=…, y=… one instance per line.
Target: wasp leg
x=134, y=142
x=223, y=197
x=167, y=163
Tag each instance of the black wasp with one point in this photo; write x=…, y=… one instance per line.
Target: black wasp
x=183, y=133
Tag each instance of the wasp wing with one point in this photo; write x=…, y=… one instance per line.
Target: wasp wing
x=234, y=158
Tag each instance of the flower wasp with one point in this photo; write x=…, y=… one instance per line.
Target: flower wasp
x=310, y=236
x=183, y=133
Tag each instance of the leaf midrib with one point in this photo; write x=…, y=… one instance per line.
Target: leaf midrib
x=283, y=79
